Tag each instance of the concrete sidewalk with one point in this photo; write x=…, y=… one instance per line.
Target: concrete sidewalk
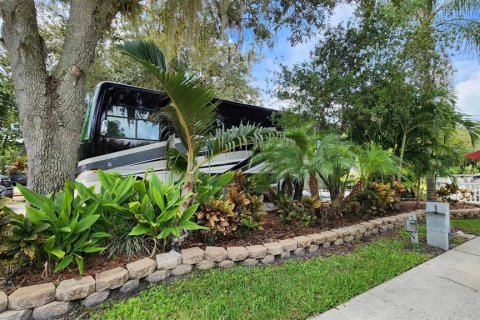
x=446, y=287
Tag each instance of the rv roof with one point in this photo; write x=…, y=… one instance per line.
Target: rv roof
x=245, y=105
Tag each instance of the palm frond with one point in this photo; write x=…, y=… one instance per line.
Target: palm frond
x=146, y=53
x=191, y=110
x=243, y=136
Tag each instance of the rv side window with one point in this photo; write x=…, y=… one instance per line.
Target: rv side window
x=131, y=123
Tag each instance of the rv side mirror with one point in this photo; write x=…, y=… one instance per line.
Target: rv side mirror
x=104, y=128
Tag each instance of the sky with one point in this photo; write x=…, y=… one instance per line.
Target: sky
x=466, y=79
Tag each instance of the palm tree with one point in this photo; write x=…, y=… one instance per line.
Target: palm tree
x=371, y=161
x=439, y=25
x=192, y=113
x=307, y=155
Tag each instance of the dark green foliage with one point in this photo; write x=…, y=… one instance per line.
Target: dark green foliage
x=301, y=212
x=248, y=206
x=20, y=243
x=375, y=199
x=69, y=224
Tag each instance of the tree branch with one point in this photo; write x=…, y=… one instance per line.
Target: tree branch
x=25, y=46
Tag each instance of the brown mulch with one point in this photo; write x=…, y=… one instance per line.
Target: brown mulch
x=273, y=230
x=92, y=264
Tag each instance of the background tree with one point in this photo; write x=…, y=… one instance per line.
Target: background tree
x=365, y=79
x=51, y=102
x=10, y=135
x=50, y=77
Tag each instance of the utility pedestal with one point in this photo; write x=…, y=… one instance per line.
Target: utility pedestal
x=411, y=225
x=438, y=224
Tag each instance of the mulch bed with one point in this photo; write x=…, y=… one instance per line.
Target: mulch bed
x=273, y=230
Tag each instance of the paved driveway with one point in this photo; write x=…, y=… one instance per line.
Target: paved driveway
x=446, y=287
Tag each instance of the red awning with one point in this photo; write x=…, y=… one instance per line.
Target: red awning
x=474, y=155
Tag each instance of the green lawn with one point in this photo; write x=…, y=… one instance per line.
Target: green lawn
x=471, y=226
x=294, y=290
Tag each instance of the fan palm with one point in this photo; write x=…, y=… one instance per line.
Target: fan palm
x=306, y=155
x=192, y=113
x=373, y=160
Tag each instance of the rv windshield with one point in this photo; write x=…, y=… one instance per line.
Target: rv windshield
x=88, y=120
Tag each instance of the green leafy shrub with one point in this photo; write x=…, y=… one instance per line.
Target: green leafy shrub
x=218, y=215
x=375, y=199
x=249, y=207
x=72, y=228
x=446, y=192
x=214, y=211
x=20, y=243
x=116, y=192
x=159, y=211
x=297, y=211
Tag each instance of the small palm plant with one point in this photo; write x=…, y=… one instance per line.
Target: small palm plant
x=305, y=155
x=192, y=113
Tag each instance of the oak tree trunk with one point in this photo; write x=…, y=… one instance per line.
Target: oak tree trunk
x=51, y=104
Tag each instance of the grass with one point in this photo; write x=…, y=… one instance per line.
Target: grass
x=471, y=226
x=293, y=290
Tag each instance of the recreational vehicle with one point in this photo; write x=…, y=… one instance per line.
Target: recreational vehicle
x=119, y=135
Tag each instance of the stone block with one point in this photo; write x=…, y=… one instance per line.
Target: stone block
x=216, y=254
x=237, y=253
x=31, y=296
x=285, y=255
x=192, y=255
x=157, y=276
x=181, y=269
x=352, y=230
x=361, y=228
x=329, y=236
x=383, y=229
x=225, y=264
x=16, y=314
x=303, y=241
x=273, y=248
x=95, y=298
x=205, y=265
x=359, y=236
x=130, y=285
x=368, y=233
x=340, y=241
x=168, y=260
x=3, y=301
x=299, y=252
x=268, y=259
x=375, y=231
x=141, y=268
x=327, y=244
x=111, y=279
x=249, y=262
x=377, y=223
x=51, y=310
x=349, y=239
x=74, y=289
x=368, y=225
x=389, y=226
x=289, y=244
x=341, y=232
x=317, y=238
x=313, y=248
x=257, y=251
